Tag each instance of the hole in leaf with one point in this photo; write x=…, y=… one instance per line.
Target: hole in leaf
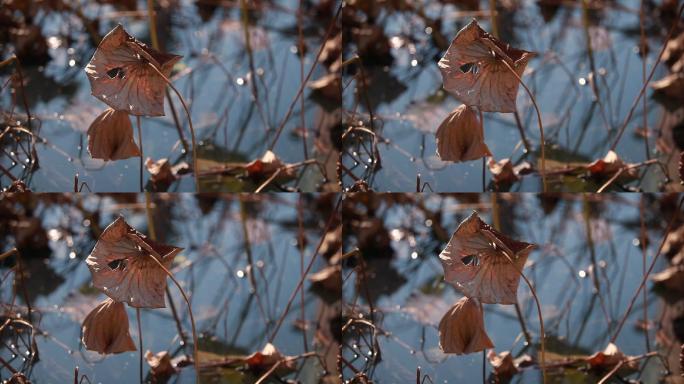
x=119, y=264
x=471, y=260
x=117, y=72
x=469, y=67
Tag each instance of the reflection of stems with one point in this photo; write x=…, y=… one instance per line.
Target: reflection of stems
x=541, y=126
x=155, y=45
x=300, y=91
x=250, y=57
x=492, y=15
x=650, y=268
x=518, y=122
x=644, y=56
x=648, y=80
x=19, y=278
x=137, y=316
x=302, y=278
x=153, y=24
x=192, y=129
x=643, y=267
x=592, y=256
x=137, y=119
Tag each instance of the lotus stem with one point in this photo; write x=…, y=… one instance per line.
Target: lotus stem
x=140, y=343
x=541, y=125
x=153, y=24
x=539, y=313
x=192, y=129
x=195, y=340
x=142, y=156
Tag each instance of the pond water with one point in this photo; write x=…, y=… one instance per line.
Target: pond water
x=404, y=280
x=214, y=77
x=213, y=269
x=404, y=90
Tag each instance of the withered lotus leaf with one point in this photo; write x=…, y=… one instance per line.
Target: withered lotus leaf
x=609, y=165
x=110, y=137
x=610, y=357
x=461, y=330
x=460, y=136
x=267, y=358
x=503, y=364
x=105, y=329
x=120, y=74
x=161, y=365
x=122, y=267
x=472, y=70
x=476, y=261
x=267, y=165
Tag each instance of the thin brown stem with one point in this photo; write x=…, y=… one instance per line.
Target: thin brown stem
x=542, y=364
x=539, y=119
x=192, y=129
x=142, y=156
x=140, y=343
x=195, y=340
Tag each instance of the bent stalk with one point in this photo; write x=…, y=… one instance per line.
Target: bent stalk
x=539, y=119
x=192, y=129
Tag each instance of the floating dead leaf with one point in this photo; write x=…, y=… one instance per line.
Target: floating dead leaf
x=161, y=365
x=672, y=279
x=331, y=54
x=611, y=164
x=460, y=136
x=268, y=164
x=122, y=267
x=110, y=137
x=18, y=378
x=671, y=86
x=503, y=171
x=105, y=329
x=609, y=358
x=267, y=358
x=472, y=70
x=674, y=49
x=461, y=330
x=503, y=364
x=162, y=173
x=120, y=74
x=483, y=263
x=328, y=278
x=328, y=86
x=18, y=186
